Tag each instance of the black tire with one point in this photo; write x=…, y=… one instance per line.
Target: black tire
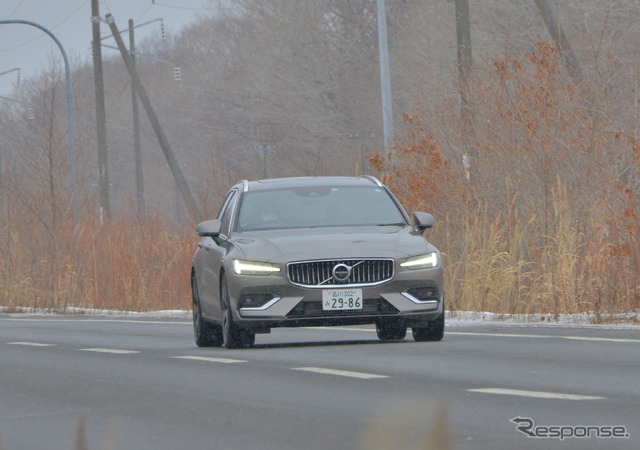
x=206, y=333
x=433, y=331
x=233, y=335
x=391, y=329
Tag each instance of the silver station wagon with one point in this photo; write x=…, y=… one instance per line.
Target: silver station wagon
x=315, y=251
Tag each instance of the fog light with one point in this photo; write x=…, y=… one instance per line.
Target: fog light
x=425, y=294
x=256, y=300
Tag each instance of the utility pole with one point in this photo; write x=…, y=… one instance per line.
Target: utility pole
x=181, y=181
x=136, y=124
x=1, y=175
x=570, y=60
x=265, y=149
x=385, y=79
x=463, y=34
x=101, y=127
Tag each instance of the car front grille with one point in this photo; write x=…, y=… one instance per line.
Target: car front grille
x=319, y=274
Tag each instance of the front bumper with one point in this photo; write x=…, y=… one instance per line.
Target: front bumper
x=413, y=295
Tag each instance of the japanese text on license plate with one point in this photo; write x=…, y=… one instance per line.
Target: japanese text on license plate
x=341, y=299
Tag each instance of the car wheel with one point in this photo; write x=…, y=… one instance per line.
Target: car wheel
x=391, y=329
x=233, y=335
x=434, y=331
x=206, y=334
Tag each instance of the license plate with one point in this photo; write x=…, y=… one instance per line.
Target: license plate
x=341, y=299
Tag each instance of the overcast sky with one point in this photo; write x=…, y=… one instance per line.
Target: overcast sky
x=28, y=48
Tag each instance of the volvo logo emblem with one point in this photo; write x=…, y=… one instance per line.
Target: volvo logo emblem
x=341, y=272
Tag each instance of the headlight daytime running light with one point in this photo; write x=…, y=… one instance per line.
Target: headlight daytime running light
x=241, y=267
x=421, y=261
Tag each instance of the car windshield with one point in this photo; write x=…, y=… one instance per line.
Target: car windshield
x=318, y=206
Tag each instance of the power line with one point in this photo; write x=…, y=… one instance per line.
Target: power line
x=188, y=8
x=16, y=8
x=144, y=13
x=42, y=35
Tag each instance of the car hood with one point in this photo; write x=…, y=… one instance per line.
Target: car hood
x=330, y=243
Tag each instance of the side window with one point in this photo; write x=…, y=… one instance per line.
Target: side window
x=227, y=212
x=225, y=203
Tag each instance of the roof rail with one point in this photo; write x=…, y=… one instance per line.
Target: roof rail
x=373, y=180
x=245, y=185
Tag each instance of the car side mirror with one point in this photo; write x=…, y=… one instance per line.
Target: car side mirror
x=423, y=220
x=209, y=228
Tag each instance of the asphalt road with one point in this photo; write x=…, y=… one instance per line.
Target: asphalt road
x=143, y=384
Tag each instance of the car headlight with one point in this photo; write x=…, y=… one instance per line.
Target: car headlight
x=241, y=267
x=421, y=261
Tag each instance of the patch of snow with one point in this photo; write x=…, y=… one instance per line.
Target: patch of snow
x=74, y=311
x=454, y=318
x=628, y=319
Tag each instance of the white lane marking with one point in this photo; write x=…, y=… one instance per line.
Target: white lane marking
x=368, y=330
x=108, y=350
x=343, y=373
x=154, y=322
x=545, y=336
x=469, y=333
x=584, y=338
x=31, y=344
x=211, y=359
x=534, y=394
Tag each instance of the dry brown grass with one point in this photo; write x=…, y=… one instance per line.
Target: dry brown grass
x=139, y=264
x=496, y=262
x=545, y=223
x=395, y=425
x=505, y=266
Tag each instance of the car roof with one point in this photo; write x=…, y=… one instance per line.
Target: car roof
x=280, y=183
